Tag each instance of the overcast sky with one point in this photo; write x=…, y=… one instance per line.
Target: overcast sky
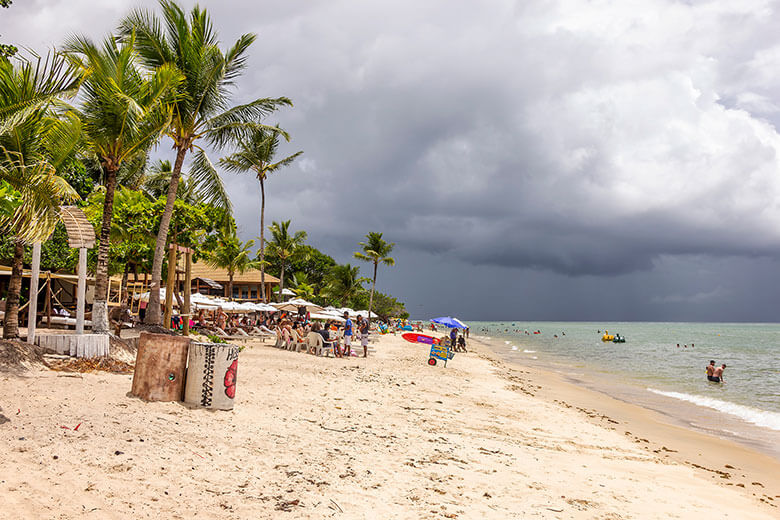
x=538, y=159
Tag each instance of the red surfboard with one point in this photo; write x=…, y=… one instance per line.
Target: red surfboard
x=419, y=338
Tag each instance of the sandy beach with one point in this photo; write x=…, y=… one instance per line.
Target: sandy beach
x=383, y=437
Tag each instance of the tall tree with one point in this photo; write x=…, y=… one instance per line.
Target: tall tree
x=256, y=153
x=284, y=246
x=204, y=189
x=33, y=142
x=344, y=282
x=124, y=112
x=190, y=44
x=375, y=250
x=232, y=255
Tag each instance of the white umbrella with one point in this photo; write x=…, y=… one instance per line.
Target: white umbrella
x=285, y=292
x=293, y=305
x=327, y=316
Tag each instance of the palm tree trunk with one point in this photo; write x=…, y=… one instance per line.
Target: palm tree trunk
x=230, y=285
x=262, y=241
x=281, y=281
x=153, y=313
x=11, y=322
x=99, y=303
x=371, y=298
x=123, y=288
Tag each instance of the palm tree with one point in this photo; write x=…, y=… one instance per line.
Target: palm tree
x=344, y=283
x=233, y=255
x=190, y=44
x=33, y=142
x=256, y=154
x=157, y=179
x=376, y=250
x=284, y=246
x=124, y=112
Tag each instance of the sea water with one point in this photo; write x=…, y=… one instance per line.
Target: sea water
x=651, y=370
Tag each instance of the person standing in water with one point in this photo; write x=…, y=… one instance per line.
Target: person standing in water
x=710, y=369
x=717, y=376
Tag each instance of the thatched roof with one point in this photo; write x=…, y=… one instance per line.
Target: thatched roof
x=201, y=270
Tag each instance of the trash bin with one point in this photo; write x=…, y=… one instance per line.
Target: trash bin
x=211, y=375
x=160, y=365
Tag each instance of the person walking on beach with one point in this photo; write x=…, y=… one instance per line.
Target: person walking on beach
x=347, y=335
x=710, y=369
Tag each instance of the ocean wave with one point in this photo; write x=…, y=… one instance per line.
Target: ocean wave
x=507, y=342
x=529, y=351
x=755, y=416
x=514, y=347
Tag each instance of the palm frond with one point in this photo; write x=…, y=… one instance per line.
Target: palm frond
x=208, y=183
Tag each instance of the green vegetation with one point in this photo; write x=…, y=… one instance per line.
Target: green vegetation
x=231, y=254
x=34, y=140
x=161, y=76
x=256, y=154
x=375, y=250
x=284, y=246
x=124, y=112
x=201, y=111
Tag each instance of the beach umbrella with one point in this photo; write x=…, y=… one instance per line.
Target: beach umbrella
x=292, y=305
x=327, y=316
x=453, y=323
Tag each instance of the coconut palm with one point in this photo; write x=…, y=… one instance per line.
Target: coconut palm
x=202, y=113
x=157, y=179
x=33, y=142
x=375, y=250
x=344, y=283
x=232, y=255
x=124, y=112
x=256, y=153
x=284, y=246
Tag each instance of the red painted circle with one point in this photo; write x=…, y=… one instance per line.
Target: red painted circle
x=432, y=361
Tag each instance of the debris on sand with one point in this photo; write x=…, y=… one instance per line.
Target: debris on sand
x=103, y=364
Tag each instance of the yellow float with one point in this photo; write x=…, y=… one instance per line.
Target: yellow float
x=607, y=336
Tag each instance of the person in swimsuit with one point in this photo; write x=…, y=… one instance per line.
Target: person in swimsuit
x=717, y=376
x=710, y=369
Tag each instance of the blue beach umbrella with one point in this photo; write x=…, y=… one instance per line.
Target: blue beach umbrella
x=453, y=323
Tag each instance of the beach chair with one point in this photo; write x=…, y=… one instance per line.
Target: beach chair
x=298, y=341
x=279, y=338
x=316, y=343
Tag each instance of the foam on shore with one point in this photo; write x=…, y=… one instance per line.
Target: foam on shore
x=755, y=416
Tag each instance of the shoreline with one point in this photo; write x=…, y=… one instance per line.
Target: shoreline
x=685, y=410
x=382, y=437
x=655, y=431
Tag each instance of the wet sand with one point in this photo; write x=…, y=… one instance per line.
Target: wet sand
x=383, y=437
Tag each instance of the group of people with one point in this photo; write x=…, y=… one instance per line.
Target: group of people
x=335, y=336
x=458, y=341
x=715, y=374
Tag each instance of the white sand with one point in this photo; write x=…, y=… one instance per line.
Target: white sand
x=386, y=437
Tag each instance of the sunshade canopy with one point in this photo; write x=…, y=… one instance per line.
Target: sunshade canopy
x=453, y=323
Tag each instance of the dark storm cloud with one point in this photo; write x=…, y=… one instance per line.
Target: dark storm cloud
x=561, y=142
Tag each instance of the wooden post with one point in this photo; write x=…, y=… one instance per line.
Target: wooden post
x=169, y=286
x=48, y=299
x=187, y=291
x=32, y=311
x=81, y=290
